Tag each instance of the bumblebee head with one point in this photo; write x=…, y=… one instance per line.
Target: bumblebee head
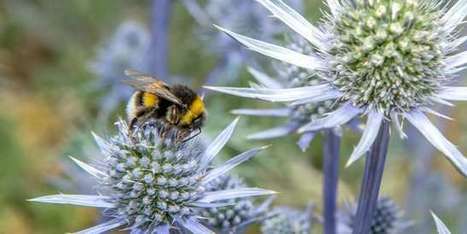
x=194, y=115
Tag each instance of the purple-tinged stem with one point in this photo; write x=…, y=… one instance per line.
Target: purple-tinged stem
x=159, y=48
x=331, y=177
x=371, y=183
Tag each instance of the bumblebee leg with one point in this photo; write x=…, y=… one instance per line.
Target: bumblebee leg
x=140, y=116
x=191, y=135
x=172, y=116
x=149, y=113
x=133, y=123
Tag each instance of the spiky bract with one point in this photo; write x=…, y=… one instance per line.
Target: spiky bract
x=294, y=77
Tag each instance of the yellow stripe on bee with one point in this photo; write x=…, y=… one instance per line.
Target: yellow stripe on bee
x=150, y=100
x=196, y=109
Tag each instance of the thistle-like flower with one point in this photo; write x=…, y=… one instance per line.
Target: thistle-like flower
x=385, y=59
x=235, y=218
x=151, y=182
x=126, y=48
x=285, y=220
x=388, y=218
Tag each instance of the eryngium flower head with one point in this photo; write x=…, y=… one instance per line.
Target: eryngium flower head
x=398, y=45
x=126, y=48
x=284, y=220
x=388, y=218
x=235, y=218
x=151, y=181
x=384, y=59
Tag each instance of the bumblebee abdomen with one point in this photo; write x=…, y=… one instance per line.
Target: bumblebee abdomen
x=132, y=106
x=149, y=100
x=141, y=100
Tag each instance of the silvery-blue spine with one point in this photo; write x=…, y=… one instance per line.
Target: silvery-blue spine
x=285, y=75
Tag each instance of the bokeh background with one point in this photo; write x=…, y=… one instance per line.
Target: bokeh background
x=60, y=66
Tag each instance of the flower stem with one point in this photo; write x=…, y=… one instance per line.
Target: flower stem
x=161, y=11
x=371, y=183
x=331, y=177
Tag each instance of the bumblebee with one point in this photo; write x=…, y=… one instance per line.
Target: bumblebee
x=177, y=105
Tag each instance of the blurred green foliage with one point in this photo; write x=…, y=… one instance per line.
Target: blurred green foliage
x=46, y=100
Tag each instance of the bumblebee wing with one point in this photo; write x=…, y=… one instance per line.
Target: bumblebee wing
x=149, y=84
x=133, y=73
